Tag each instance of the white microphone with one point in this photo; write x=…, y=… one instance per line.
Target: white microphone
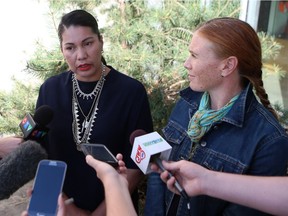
x=152, y=148
x=147, y=148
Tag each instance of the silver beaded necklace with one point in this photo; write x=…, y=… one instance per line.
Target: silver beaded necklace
x=89, y=119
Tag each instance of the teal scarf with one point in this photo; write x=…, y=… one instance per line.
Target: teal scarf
x=204, y=117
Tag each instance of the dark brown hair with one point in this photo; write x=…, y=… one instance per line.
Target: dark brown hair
x=79, y=18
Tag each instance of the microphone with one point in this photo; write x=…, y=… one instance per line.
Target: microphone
x=148, y=147
x=145, y=141
x=35, y=128
x=19, y=167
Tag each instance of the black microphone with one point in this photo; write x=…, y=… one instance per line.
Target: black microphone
x=34, y=128
x=19, y=167
x=156, y=159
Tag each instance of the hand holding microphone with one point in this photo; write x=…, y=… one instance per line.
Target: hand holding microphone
x=8, y=144
x=149, y=148
x=33, y=128
x=177, y=185
x=19, y=166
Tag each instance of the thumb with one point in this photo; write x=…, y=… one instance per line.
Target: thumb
x=61, y=204
x=92, y=161
x=170, y=166
x=25, y=213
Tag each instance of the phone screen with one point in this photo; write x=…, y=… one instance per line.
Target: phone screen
x=48, y=185
x=99, y=152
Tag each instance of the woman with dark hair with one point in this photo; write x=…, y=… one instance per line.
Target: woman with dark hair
x=218, y=122
x=92, y=103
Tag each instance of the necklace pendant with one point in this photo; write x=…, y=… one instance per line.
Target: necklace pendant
x=87, y=124
x=78, y=147
x=83, y=125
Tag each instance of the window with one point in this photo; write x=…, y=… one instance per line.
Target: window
x=273, y=19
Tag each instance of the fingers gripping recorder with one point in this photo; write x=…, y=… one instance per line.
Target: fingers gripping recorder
x=152, y=148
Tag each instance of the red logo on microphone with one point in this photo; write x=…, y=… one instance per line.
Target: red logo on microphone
x=140, y=155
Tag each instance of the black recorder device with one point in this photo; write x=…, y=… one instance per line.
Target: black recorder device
x=99, y=152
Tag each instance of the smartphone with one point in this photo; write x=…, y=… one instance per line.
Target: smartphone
x=99, y=152
x=47, y=186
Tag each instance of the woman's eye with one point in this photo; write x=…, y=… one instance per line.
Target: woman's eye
x=88, y=43
x=68, y=48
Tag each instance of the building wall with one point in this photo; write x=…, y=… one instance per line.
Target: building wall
x=272, y=18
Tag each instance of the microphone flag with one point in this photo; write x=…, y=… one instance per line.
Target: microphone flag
x=147, y=146
x=27, y=125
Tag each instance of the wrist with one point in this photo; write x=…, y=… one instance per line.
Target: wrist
x=113, y=180
x=207, y=182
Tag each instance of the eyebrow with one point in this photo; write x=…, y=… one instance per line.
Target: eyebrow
x=89, y=38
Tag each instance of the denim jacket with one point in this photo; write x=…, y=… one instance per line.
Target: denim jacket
x=248, y=140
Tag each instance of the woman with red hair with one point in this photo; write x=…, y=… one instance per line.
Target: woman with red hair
x=218, y=122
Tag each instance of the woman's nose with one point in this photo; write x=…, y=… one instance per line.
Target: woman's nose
x=187, y=64
x=81, y=54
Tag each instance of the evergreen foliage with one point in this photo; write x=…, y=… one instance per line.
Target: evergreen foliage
x=270, y=51
x=150, y=43
x=14, y=106
x=146, y=41
x=283, y=115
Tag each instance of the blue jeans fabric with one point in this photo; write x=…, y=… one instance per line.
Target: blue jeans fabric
x=156, y=188
x=248, y=140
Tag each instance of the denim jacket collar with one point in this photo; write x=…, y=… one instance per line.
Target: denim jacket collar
x=237, y=113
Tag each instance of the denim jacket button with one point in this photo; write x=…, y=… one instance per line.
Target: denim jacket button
x=203, y=143
x=215, y=127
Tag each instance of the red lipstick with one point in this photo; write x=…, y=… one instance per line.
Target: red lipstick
x=84, y=67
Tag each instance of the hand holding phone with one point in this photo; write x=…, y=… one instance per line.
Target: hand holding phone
x=99, y=152
x=47, y=187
